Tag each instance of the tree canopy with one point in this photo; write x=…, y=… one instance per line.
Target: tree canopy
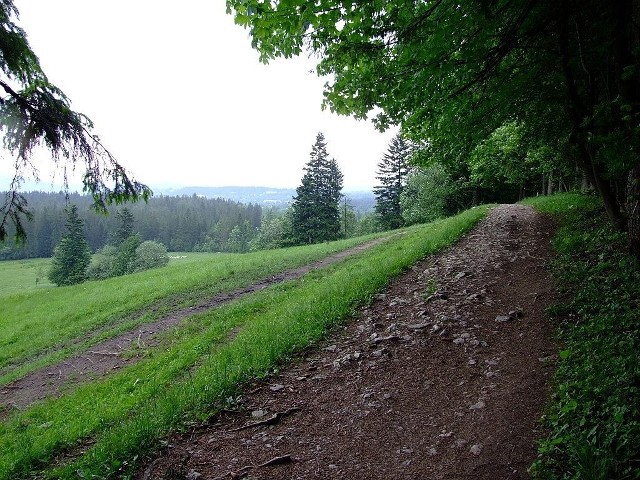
x=452, y=73
x=35, y=113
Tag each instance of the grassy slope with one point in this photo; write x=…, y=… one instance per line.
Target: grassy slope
x=594, y=417
x=124, y=415
x=39, y=327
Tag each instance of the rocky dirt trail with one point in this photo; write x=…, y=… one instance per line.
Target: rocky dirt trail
x=119, y=351
x=443, y=376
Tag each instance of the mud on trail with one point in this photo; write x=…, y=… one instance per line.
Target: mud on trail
x=443, y=376
x=119, y=351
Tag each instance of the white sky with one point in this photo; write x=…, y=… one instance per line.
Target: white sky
x=179, y=97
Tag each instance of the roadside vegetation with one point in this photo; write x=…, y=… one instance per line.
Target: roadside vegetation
x=594, y=416
x=99, y=430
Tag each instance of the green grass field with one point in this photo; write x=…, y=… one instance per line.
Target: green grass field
x=120, y=417
x=44, y=325
x=18, y=276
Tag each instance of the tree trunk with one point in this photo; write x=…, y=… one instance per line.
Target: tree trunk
x=633, y=210
x=550, y=187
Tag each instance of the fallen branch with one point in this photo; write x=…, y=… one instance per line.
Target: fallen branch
x=244, y=470
x=269, y=421
x=97, y=352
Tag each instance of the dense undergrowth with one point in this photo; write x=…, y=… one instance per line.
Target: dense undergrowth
x=594, y=416
x=100, y=430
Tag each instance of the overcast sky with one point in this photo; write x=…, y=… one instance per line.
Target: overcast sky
x=178, y=95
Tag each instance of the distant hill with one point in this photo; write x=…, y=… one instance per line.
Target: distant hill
x=362, y=201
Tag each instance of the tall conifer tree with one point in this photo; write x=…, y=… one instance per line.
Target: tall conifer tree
x=72, y=255
x=392, y=174
x=316, y=216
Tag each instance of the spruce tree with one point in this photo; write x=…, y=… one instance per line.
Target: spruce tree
x=316, y=215
x=72, y=255
x=392, y=174
x=125, y=228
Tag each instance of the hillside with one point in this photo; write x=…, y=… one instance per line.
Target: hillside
x=421, y=353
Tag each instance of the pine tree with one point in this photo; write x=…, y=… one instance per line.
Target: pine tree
x=125, y=228
x=392, y=174
x=316, y=215
x=72, y=255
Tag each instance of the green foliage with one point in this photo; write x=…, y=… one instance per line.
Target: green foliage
x=125, y=257
x=72, y=255
x=101, y=266
x=150, y=254
x=276, y=231
x=594, y=419
x=367, y=224
x=424, y=198
x=392, y=174
x=315, y=209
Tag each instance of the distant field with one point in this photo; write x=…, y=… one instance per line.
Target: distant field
x=23, y=275
x=20, y=276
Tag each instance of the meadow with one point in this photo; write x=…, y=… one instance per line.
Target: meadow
x=44, y=324
x=100, y=429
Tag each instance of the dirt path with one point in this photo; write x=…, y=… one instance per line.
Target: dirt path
x=115, y=353
x=443, y=377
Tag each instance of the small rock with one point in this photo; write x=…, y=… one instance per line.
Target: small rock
x=460, y=275
x=277, y=387
x=476, y=449
x=258, y=413
x=465, y=335
x=458, y=341
x=478, y=405
x=471, y=362
x=432, y=451
x=390, y=338
x=503, y=318
x=193, y=475
x=330, y=348
x=418, y=326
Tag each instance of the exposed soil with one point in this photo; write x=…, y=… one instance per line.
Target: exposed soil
x=119, y=351
x=443, y=376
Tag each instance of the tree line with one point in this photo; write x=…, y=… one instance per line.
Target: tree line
x=186, y=223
